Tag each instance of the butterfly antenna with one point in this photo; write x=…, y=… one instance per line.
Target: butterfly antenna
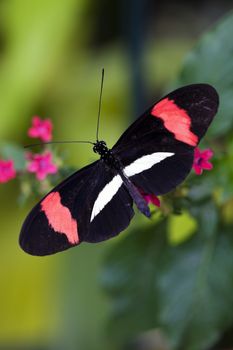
x=100, y=101
x=55, y=142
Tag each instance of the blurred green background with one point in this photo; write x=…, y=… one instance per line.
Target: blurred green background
x=51, y=57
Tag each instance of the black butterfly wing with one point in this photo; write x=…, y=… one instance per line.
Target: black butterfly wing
x=185, y=114
x=165, y=136
x=62, y=219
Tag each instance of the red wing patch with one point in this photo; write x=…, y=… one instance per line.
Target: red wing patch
x=59, y=217
x=176, y=120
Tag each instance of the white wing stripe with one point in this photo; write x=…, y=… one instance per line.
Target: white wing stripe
x=146, y=162
x=138, y=166
x=106, y=195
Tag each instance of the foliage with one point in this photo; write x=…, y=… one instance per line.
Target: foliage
x=185, y=290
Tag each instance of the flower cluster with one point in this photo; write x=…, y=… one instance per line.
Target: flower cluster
x=41, y=164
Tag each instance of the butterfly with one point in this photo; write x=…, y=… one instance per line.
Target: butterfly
x=153, y=156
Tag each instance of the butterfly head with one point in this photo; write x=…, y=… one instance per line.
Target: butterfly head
x=100, y=147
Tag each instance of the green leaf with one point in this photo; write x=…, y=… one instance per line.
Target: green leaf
x=211, y=62
x=185, y=290
x=196, y=292
x=202, y=187
x=15, y=152
x=181, y=227
x=206, y=214
x=226, y=178
x=130, y=278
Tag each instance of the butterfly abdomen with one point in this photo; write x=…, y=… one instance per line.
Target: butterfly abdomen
x=136, y=196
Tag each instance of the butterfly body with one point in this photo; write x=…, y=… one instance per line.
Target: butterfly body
x=153, y=156
x=114, y=163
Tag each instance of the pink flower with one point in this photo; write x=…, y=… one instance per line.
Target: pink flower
x=41, y=129
x=201, y=160
x=41, y=165
x=150, y=198
x=7, y=170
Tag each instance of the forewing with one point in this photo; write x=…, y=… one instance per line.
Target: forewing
x=185, y=114
x=156, y=151
x=62, y=219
